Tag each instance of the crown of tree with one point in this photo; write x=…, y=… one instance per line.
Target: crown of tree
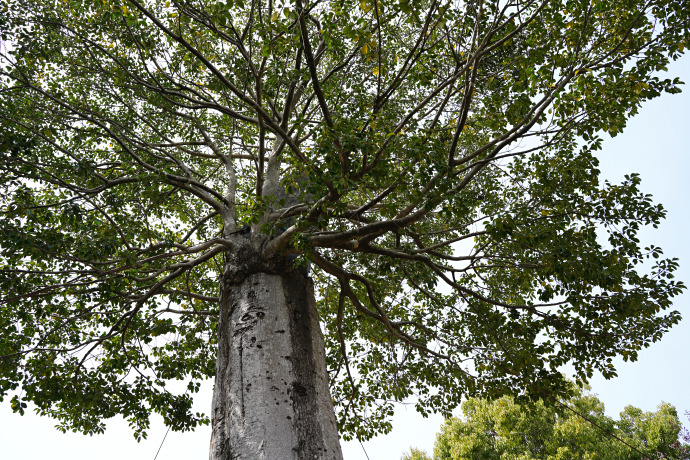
x=429, y=163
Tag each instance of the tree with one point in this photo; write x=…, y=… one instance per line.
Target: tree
x=173, y=172
x=416, y=454
x=502, y=429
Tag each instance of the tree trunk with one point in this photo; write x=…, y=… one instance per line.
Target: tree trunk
x=271, y=399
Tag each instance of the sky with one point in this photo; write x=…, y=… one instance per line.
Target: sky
x=654, y=144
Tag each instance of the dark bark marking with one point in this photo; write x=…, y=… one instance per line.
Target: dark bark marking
x=303, y=390
x=300, y=389
x=241, y=350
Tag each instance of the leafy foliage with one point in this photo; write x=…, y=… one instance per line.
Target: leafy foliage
x=433, y=161
x=502, y=429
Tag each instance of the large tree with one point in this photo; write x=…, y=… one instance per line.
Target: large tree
x=196, y=189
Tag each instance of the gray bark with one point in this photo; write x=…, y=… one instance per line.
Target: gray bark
x=271, y=399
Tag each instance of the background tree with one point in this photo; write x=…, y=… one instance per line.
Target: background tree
x=416, y=454
x=502, y=429
x=150, y=150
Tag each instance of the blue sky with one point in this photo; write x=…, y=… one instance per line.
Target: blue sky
x=655, y=145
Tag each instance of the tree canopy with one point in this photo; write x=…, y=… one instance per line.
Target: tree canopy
x=502, y=429
x=432, y=162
